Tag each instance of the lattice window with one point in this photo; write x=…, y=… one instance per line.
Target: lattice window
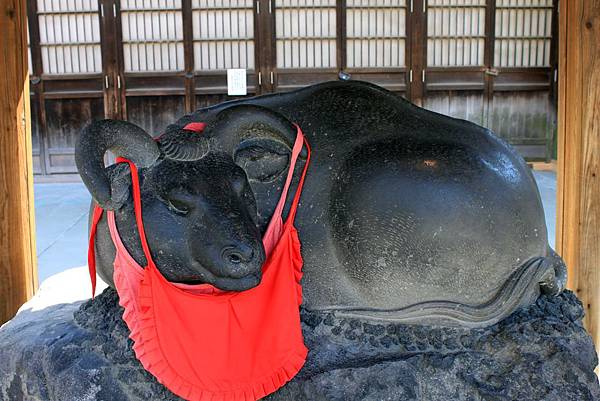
x=305, y=32
x=152, y=35
x=223, y=34
x=455, y=32
x=376, y=33
x=523, y=33
x=69, y=36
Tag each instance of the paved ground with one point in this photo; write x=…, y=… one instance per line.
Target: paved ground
x=61, y=224
x=61, y=218
x=546, y=181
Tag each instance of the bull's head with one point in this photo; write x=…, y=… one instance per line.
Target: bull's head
x=198, y=207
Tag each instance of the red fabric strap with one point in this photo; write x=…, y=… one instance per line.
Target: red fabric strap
x=92, y=249
x=296, y=200
x=137, y=207
x=197, y=127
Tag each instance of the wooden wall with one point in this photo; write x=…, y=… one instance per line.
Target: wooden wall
x=150, y=61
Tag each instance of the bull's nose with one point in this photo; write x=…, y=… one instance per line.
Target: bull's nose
x=237, y=254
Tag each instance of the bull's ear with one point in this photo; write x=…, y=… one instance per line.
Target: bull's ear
x=259, y=139
x=263, y=159
x=119, y=176
x=243, y=122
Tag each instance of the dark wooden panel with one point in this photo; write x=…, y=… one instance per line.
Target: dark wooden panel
x=216, y=82
x=290, y=79
x=154, y=84
x=437, y=79
x=467, y=105
x=66, y=118
x=524, y=118
x=212, y=99
x=155, y=113
x=74, y=86
x=532, y=151
x=520, y=80
x=395, y=81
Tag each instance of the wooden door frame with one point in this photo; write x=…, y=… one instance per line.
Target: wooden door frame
x=578, y=195
x=17, y=228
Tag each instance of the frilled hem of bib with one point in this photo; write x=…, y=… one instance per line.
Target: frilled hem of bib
x=148, y=352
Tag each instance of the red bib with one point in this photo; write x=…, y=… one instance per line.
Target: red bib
x=203, y=343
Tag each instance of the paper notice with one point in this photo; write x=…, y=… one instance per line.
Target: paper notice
x=236, y=82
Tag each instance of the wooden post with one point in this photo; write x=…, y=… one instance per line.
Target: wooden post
x=18, y=272
x=188, y=55
x=578, y=200
x=418, y=49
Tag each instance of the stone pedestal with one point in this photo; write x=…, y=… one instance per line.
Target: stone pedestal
x=81, y=352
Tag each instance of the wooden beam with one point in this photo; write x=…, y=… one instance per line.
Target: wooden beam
x=188, y=55
x=417, y=35
x=18, y=272
x=488, y=60
x=578, y=198
x=543, y=166
x=341, y=42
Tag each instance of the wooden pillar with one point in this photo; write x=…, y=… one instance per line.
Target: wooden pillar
x=188, y=55
x=418, y=51
x=18, y=272
x=578, y=200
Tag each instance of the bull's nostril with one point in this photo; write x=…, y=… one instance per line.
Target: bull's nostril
x=237, y=255
x=235, y=258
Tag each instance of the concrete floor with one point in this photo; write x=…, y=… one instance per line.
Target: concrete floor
x=546, y=181
x=61, y=226
x=61, y=212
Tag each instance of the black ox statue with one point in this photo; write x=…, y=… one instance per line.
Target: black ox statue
x=406, y=215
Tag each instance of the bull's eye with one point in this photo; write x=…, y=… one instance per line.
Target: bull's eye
x=178, y=207
x=179, y=200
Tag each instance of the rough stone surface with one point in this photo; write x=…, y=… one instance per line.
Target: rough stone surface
x=73, y=352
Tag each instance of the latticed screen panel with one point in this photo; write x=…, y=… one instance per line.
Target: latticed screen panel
x=152, y=35
x=523, y=33
x=223, y=33
x=455, y=33
x=69, y=36
x=376, y=33
x=305, y=32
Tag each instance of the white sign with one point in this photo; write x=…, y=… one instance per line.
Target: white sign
x=236, y=82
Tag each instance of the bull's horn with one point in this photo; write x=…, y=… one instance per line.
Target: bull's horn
x=183, y=144
x=123, y=139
